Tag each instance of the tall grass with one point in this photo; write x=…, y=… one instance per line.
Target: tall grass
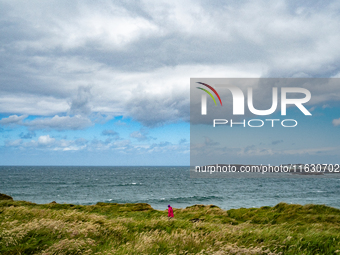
x=27, y=228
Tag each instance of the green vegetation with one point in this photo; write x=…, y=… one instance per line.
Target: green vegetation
x=5, y=197
x=28, y=228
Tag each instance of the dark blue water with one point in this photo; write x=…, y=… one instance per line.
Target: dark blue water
x=160, y=186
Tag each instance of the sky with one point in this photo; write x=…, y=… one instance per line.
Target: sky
x=108, y=82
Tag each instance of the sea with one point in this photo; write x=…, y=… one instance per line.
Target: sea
x=161, y=186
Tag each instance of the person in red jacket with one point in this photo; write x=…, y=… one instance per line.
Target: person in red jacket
x=170, y=212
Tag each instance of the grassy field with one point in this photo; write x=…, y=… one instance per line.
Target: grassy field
x=28, y=228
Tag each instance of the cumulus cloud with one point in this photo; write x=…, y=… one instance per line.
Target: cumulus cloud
x=164, y=109
x=31, y=104
x=45, y=140
x=142, y=135
x=12, y=120
x=138, y=135
x=110, y=133
x=13, y=143
x=138, y=58
x=336, y=122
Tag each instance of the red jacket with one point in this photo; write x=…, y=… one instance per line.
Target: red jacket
x=170, y=212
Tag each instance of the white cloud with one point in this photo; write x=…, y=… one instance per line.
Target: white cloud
x=29, y=104
x=108, y=24
x=13, y=119
x=142, y=135
x=137, y=59
x=13, y=143
x=336, y=122
x=60, y=123
x=113, y=135
x=312, y=151
x=45, y=140
x=110, y=132
x=125, y=146
x=57, y=122
x=138, y=135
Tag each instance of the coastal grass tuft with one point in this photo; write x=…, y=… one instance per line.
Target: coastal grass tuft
x=110, y=228
x=5, y=197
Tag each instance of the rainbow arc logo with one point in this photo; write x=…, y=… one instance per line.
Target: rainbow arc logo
x=208, y=92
